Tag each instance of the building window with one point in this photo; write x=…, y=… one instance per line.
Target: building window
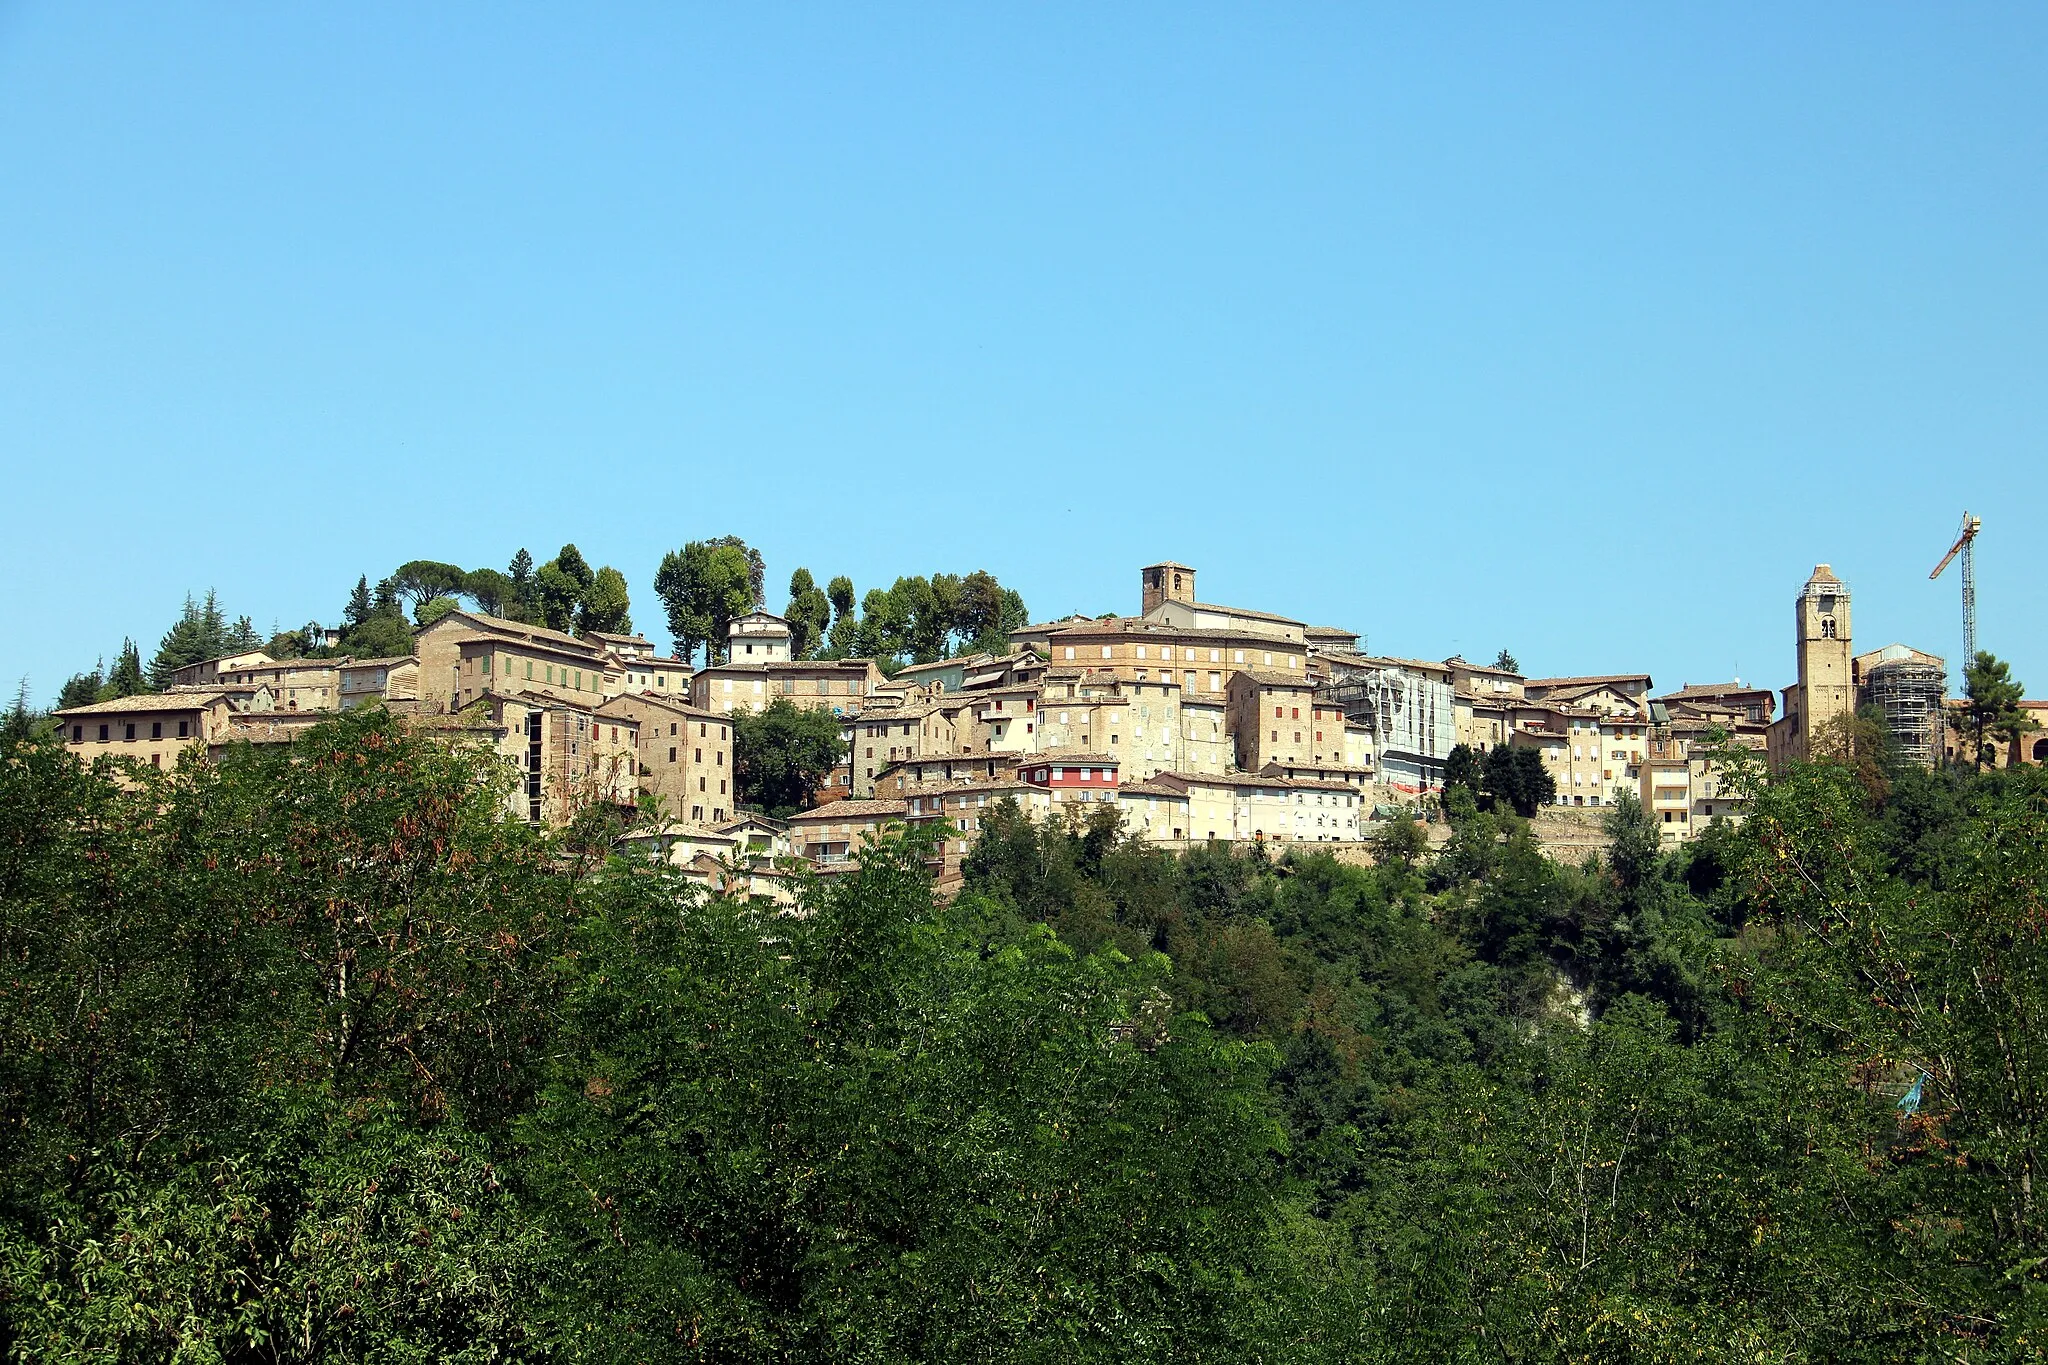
x=671, y=754
x=156, y=729
x=182, y=729
x=129, y=732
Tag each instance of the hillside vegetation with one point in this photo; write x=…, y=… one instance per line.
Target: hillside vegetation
x=310, y=1055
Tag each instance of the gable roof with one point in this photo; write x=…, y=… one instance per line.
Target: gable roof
x=850, y=810
x=661, y=701
x=177, y=699
x=1590, y=680
x=515, y=630
x=1705, y=691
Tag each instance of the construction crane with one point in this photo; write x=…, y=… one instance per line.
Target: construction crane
x=1965, y=546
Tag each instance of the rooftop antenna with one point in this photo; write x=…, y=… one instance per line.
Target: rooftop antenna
x=1966, y=539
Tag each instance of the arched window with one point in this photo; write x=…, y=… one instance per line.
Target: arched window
x=1827, y=627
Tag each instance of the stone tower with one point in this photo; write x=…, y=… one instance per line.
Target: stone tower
x=1825, y=680
x=1826, y=689
x=1167, y=582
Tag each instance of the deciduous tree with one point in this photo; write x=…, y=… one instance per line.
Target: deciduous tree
x=702, y=587
x=606, y=606
x=809, y=614
x=782, y=754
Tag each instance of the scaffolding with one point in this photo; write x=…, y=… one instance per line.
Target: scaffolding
x=1413, y=720
x=1909, y=694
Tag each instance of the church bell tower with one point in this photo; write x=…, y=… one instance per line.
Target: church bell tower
x=1826, y=688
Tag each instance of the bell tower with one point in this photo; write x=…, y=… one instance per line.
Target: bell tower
x=1166, y=582
x=1826, y=687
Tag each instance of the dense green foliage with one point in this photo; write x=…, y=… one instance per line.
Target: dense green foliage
x=1504, y=776
x=920, y=620
x=782, y=753
x=312, y=1055
x=703, y=586
x=201, y=632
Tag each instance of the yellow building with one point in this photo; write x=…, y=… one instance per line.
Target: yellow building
x=683, y=754
x=842, y=686
x=154, y=727
x=465, y=654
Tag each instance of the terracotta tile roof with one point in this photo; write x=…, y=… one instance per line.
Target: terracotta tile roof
x=517, y=630
x=1697, y=691
x=850, y=810
x=969, y=787
x=177, y=699
x=787, y=666
x=1271, y=678
x=978, y=660
x=666, y=702
x=1184, y=780
x=1138, y=625
x=387, y=662
x=1488, y=669
x=1280, y=765
x=728, y=826
x=530, y=694
x=1150, y=787
x=1590, y=680
x=1248, y=611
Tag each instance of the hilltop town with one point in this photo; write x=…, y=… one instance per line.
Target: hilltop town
x=1182, y=723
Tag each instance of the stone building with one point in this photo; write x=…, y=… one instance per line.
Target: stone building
x=465, y=654
x=208, y=671
x=1263, y=808
x=1272, y=718
x=845, y=687
x=683, y=754
x=1826, y=690
x=759, y=637
x=154, y=728
x=834, y=833
x=387, y=680
x=1614, y=694
x=1906, y=687
x=1410, y=709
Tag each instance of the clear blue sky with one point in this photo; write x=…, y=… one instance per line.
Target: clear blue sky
x=1584, y=332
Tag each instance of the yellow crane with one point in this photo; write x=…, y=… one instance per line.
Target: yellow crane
x=1966, y=539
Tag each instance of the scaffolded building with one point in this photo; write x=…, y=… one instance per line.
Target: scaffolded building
x=1410, y=709
x=1908, y=692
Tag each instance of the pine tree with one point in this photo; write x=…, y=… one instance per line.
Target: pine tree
x=359, y=605
x=82, y=689
x=126, y=680
x=20, y=722
x=198, y=635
